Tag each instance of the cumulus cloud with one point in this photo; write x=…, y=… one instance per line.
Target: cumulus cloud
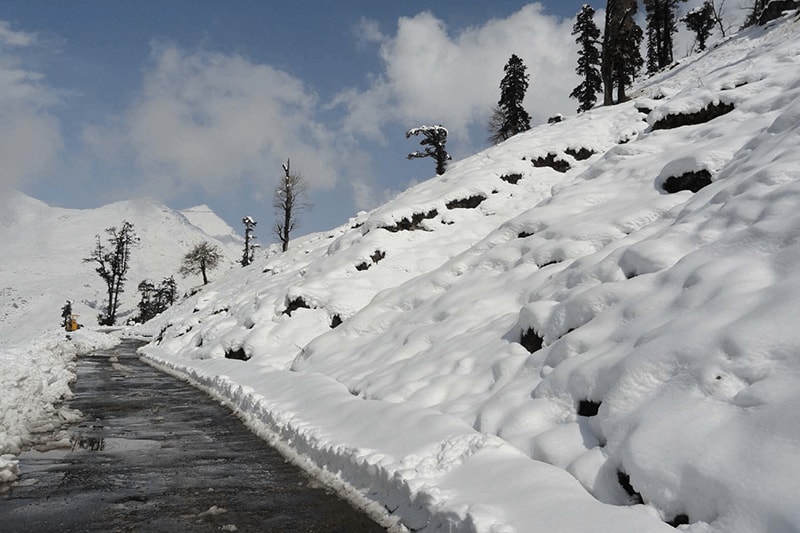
x=214, y=122
x=433, y=75
x=30, y=137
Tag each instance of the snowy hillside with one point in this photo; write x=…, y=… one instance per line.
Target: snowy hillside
x=544, y=338
x=43, y=246
x=557, y=334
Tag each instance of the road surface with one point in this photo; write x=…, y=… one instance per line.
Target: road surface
x=155, y=454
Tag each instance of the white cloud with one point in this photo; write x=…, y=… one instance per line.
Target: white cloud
x=30, y=137
x=431, y=75
x=9, y=37
x=213, y=121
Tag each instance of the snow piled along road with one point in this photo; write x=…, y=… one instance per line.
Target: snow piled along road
x=544, y=338
x=34, y=382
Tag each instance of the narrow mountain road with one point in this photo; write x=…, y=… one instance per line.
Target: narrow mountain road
x=155, y=454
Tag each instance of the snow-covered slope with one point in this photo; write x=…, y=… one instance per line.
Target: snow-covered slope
x=511, y=347
x=41, y=265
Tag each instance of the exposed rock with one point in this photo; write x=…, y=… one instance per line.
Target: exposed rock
x=511, y=178
x=411, y=225
x=552, y=161
x=588, y=408
x=294, y=305
x=466, y=203
x=238, y=354
x=689, y=181
x=710, y=112
x=580, y=154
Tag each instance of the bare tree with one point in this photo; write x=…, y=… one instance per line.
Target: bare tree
x=112, y=265
x=200, y=259
x=719, y=13
x=495, y=126
x=291, y=197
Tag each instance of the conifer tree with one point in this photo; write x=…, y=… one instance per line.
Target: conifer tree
x=621, y=41
x=588, y=36
x=512, y=92
x=660, y=27
x=700, y=20
x=435, y=138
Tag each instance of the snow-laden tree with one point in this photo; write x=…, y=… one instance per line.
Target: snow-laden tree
x=291, y=197
x=588, y=37
x=513, y=87
x=203, y=257
x=434, y=140
x=249, y=246
x=660, y=27
x=622, y=40
x=700, y=20
x=112, y=262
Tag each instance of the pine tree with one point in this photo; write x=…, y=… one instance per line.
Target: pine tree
x=700, y=20
x=588, y=36
x=621, y=42
x=512, y=92
x=435, y=137
x=660, y=27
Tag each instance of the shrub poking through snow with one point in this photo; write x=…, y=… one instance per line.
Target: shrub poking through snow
x=531, y=340
x=411, y=225
x=513, y=179
x=336, y=321
x=524, y=234
x=294, y=305
x=710, y=112
x=466, y=203
x=552, y=161
x=238, y=354
x=689, y=181
x=375, y=257
x=579, y=154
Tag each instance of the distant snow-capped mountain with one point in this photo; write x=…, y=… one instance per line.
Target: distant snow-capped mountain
x=41, y=265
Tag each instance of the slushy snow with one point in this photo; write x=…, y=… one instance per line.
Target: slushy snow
x=397, y=357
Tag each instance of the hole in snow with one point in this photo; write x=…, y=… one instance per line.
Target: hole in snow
x=466, y=203
x=559, y=165
x=710, y=112
x=238, y=354
x=689, y=181
x=294, y=305
x=531, y=340
x=588, y=408
x=336, y=321
x=679, y=520
x=625, y=482
x=524, y=234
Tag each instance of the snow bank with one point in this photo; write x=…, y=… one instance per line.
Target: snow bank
x=35, y=380
x=544, y=338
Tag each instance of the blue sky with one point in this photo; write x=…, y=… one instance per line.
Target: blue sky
x=198, y=102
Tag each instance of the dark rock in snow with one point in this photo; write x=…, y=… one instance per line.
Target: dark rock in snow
x=689, y=181
x=710, y=112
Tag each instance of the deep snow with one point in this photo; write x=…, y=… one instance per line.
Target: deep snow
x=395, y=356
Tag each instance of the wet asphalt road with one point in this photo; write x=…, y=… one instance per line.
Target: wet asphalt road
x=155, y=454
